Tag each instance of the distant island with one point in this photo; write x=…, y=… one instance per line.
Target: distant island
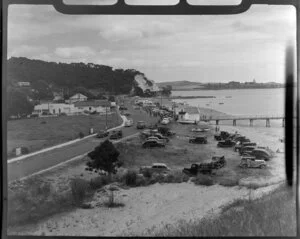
x=191, y=86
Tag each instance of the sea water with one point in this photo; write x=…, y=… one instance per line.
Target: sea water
x=256, y=102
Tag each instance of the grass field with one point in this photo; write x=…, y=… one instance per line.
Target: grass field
x=39, y=133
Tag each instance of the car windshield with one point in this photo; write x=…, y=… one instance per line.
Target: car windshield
x=79, y=89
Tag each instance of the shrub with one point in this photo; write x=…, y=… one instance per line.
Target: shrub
x=229, y=182
x=130, y=178
x=24, y=150
x=79, y=188
x=203, y=180
x=141, y=181
x=157, y=178
x=99, y=182
x=81, y=135
x=147, y=173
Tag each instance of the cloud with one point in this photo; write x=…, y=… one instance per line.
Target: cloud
x=74, y=52
x=121, y=33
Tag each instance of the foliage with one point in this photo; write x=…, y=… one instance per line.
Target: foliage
x=17, y=103
x=79, y=189
x=99, y=182
x=69, y=77
x=203, y=180
x=81, y=135
x=166, y=90
x=104, y=157
x=130, y=178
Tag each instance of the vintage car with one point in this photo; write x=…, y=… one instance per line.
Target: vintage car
x=226, y=143
x=261, y=154
x=128, y=122
x=198, y=140
x=152, y=144
x=155, y=168
x=222, y=135
x=102, y=134
x=247, y=150
x=252, y=162
x=141, y=125
x=239, y=145
x=116, y=134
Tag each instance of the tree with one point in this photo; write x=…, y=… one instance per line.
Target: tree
x=167, y=90
x=17, y=103
x=111, y=98
x=105, y=157
x=42, y=90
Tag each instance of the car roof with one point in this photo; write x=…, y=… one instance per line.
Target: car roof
x=159, y=164
x=261, y=150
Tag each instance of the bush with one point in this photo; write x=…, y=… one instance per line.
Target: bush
x=229, y=182
x=79, y=188
x=157, y=178
x=99, y=182
x=130, y=178
x=203, y=180
x=147, y=173
x=24, y=150
x=81, y=135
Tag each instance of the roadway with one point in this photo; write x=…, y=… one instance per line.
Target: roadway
x=36, y=163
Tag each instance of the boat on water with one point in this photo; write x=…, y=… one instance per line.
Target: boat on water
x=228, y=96
x=197, y=130
x=221, y=103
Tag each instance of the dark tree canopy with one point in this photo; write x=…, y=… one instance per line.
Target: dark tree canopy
x=17, y=103
x=104, y=157
x=167, y=90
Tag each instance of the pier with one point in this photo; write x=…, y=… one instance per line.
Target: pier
x=251, y=118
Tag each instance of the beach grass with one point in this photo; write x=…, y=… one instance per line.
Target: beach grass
x=271, y=215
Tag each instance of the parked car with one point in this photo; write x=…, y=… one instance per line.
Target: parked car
x=116, y=134
x=205, y=168
x=102, y=134
x=150, y=138
x=246, y=150
x=141, y=125
x=128, y=122
x=198, y=140
x=160, y=136
x=261, y=154
x=165, y=121
x=122, y=108
x=241, y=139
x=239, y=145
x=218, y=161
x=155, y=168
x=222, y=135
x=226, y=143
x=165, y=131
x=127, y=113
x=252, y=162
x=152, y=144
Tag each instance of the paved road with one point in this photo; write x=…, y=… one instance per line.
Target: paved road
x=35, y=163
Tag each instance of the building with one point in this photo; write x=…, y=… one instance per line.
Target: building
x=188, y=113
x=23, y=84
x=99, y=106
x=55, y=109
x=76, y=98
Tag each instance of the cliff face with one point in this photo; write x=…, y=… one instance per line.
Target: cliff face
x=142, y=86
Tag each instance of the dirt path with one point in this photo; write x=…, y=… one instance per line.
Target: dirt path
x=146, y=208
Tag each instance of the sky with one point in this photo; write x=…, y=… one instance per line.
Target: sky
x=203, y=49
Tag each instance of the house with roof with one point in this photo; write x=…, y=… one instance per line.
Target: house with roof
x=189, y=113
x=55, y=109
x=99, y=106
x=76, y=98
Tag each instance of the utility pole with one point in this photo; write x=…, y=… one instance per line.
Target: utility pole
x=105, y=116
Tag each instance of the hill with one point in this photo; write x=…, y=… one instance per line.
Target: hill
x=67, y=77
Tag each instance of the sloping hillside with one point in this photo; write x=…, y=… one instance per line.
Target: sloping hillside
x=63, y=76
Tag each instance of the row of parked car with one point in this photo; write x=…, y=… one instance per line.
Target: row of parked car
x=157, y=137
x=252, y=155
x=115, y=134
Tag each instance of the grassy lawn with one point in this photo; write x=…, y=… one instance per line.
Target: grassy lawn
x=39, y=133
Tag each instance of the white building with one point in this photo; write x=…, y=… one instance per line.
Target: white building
x=75, y=98
x=191, y=113
x=55, y=109
x=100, y=106
x=23, y=83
